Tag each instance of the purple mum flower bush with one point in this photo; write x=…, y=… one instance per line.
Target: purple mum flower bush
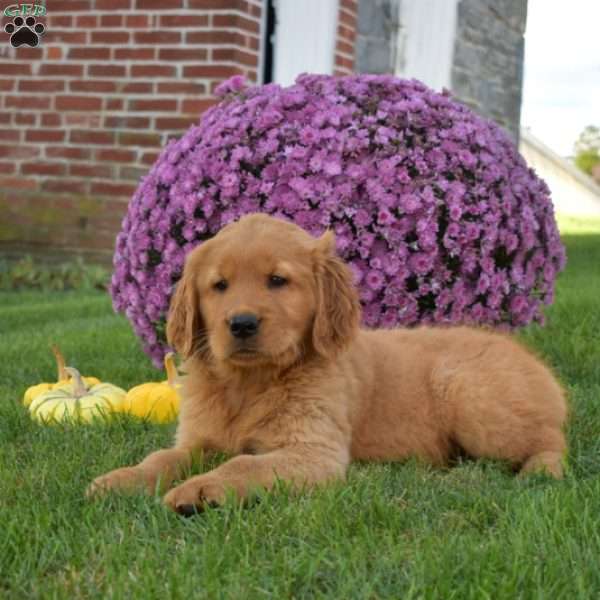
x=435, y=211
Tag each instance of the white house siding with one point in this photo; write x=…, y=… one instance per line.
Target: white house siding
x=426, y=41
x=305, y=37
x=573, y=192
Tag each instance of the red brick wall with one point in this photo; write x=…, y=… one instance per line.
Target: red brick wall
x=84, y=114
x=346, y=37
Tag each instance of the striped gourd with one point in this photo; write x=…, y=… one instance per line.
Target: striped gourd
x=77, y=402
x=63, y=380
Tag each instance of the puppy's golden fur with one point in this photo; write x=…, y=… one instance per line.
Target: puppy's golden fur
x=311, y=391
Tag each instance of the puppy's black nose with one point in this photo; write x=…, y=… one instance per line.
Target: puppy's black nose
x=244, y=325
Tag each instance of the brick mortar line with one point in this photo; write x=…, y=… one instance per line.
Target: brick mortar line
x=95, y=179
x=78, y=145
x=127, y=61
x=168, y=29
x=196, y=79
x=340, y=54
x=115, y=95
x=111, y=165
x=126, y=12
x=129, y=78
x=347, y=37
x=182, y=44
x=97, y=146
x=112, y=145
x=353, y=13
x=106, y=96
x=68, y=92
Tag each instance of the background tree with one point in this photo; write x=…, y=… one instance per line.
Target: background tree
x=587, y=149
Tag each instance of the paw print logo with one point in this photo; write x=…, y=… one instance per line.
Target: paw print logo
x=24, y=31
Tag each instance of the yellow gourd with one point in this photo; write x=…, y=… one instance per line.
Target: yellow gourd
x=63, y=380
x=76, y=402
x=156, y=401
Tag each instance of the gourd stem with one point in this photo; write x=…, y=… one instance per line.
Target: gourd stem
x=79, y=388
x=170, y=368
x=60, y=363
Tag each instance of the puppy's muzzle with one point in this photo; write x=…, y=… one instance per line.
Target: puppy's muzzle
x=244, y=326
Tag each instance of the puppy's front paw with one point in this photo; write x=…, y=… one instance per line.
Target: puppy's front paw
x=195, y=495
x=126, y=479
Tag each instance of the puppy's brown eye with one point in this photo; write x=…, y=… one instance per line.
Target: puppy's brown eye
x=276, y=282
x=221, y=285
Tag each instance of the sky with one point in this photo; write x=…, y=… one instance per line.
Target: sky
x=561, y=88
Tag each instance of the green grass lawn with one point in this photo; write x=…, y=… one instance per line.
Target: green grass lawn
x=391, y=531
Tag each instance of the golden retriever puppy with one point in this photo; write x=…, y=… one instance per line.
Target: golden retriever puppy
x=280, y=374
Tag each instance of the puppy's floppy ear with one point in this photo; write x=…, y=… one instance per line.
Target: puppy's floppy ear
x=184, y=322
x=338, y=307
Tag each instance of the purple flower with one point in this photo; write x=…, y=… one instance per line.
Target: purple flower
x=518, y=305
x=362, y=218
x=302, y=186
x=384, y=217
x=421, y=263
x=332, y=167
x=375, y=280
x=231, y=86
x=410, y=203
x=455, y=212
x=437, y=215
x=316, y=163
x=355, y=171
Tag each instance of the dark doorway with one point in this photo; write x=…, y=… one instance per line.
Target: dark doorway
x=267, y=74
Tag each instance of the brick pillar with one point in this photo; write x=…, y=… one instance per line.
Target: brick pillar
x=346, y=37
x=84, y=114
